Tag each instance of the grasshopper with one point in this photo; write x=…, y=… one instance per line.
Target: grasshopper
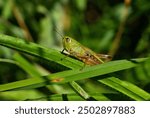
x=83, y=53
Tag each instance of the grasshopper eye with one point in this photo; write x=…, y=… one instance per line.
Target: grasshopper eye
x=68, y=40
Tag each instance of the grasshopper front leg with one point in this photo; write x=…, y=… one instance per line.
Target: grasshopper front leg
x=65, y=54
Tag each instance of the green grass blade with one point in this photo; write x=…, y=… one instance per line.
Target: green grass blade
x=8, y=61
x=37, y=50
x=102, y=69
x=72, y=75
x=126, y=88
x=26, y=66
x=79, y=90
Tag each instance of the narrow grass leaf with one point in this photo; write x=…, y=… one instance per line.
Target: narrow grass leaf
x=72, y=75
x=79, y=90
x=26, y=66
x=37, y=50
x=126, y=88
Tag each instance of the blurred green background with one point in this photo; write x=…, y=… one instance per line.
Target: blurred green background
x=120, y=28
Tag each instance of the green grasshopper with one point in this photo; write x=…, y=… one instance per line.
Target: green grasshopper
x=83, y=53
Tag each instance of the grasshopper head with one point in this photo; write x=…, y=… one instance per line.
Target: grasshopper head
x=67, y=42
x=67, y=39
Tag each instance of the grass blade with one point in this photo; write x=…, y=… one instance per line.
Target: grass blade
x=37, y=50
x=126, y=88
x=72, y=75
x=79, y=90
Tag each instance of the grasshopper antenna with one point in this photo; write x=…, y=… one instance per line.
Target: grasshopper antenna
x=58, y=32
